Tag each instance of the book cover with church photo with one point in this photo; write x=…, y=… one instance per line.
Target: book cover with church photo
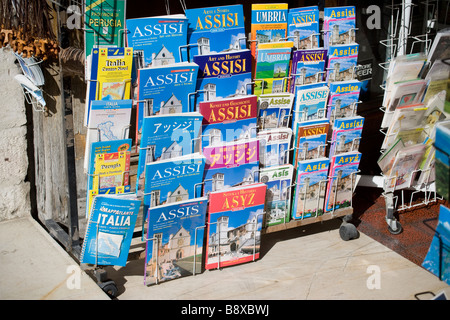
x=303, y=27
x=274, y=110
x=228, y=120
x=235, y=218
x=173, y=180
x=165, y=137
x=346, y=135
x=231, y=165
x=157, y=40
x=343, y=99
x=311, y=183
x=165, y=90
x=279, y=193
x=223, y=76
x=342, y=180
x=174, y=244
x=274, y=147
x=216, y=29
x=308, y=66
x=342, y=62
x=339, y=25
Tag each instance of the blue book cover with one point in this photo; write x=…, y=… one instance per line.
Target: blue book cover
x=156, y=41
x=339, y=25
x=223, y=75
x=279, y=182
x=437, y=260
x=110, y=230
x=274, y=147
x=274, y=110
x=165, y=137
x=346, y=135
x=174, y=244
x=308, y=66
x=311, y=182
x=343, y=99
x=342, y=180
x=228, y=120
x=310, y=102
x=342, y=62
x=216, y=29
x=173, y=180
x=231, y=165
x=166, y=89
x=303, y=27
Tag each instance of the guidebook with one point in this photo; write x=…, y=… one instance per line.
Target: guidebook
x=109, y=167
x=109, y=76
x=165, y=137
x=230, y=165
x=109, y=230
x=342, y=62
x=109, y=120
x=216, y=29
x=310, y=142
x=279, y=180
x=346, y=135
x=310, y=102
x=228, y=120
x=272, y=67
x=268, y=23
x=311, y=182
x=342, y=180
x=274, y=110
x=235, y=218
x=104, y=26
x=274, y=147
x=343, y=99
x=308, y=66
x=165, y=90
x=157, y=40
x=223, y=75
x=339, y=25
x=174, y=244
x=303, y=27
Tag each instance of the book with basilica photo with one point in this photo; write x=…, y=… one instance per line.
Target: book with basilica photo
x=308, y=66
x=231, y=165
x=342, y=62
x=346, y=135
x=274, y=147
x=234, y=224
x=339, y=25
x=228, y=120
x=343, y=99
x=175, y=245
x=303, y=27
x=311, y=140
x=274, y=110
x=279, y=180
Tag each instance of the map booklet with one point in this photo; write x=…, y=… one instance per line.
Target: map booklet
x=274, y=110
x=342, y=180
x=339, y=25
x=234, y=223
x=223, y=75
x=109, y=120
x=157, y=40
x=311, y=182
x=104, y=26
x=165, y=137
x=279, y=180
x=272, y=67
x=109, y=230
x=216, y=29
x=303, y=27
x=108, y=169
x=268, y=24
x=109, y=76
x=174, y=244
x=231, y=165
x=164, y=90
x=227, y=120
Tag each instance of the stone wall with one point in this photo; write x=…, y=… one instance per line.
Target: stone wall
x=14, y=189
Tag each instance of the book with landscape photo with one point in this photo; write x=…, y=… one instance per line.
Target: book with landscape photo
x=274, y=110
x=228, y=120
x=234, y=224
x=174, y=244
x=279, y=181
x=109, y=230
x=303, y=27
x=311, y=183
